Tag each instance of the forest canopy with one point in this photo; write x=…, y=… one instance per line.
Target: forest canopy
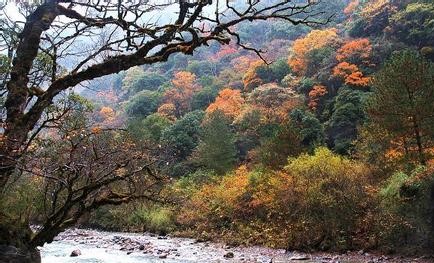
x=302, y=125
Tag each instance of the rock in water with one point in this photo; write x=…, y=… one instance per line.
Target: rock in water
x=76, y=253
x=229, y=255
x=300, y=257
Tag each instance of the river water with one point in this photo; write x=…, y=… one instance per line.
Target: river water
x=59, y=252
x=109, y=247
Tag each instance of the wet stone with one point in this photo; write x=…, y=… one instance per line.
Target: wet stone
x=75, y=253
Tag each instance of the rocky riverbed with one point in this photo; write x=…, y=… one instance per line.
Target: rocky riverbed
x=90, y=246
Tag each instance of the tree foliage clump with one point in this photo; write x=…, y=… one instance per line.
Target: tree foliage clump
x=241, y=203
x=216, y=150
x=402, y=102
x=414, y=25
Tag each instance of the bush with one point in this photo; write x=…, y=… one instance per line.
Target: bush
x=187, y=185
x=140, y=217
x=318, y=201
x=110, y=218
x=154, y=219
x=331, y=199
x=214, y=204
x=407, y=198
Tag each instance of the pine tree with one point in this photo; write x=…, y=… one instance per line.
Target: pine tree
x=403, y=101
x=216, y=150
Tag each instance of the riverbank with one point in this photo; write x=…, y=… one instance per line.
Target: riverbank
x=109, y=247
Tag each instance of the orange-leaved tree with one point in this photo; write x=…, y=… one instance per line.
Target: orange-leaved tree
x=315, y=95
x=167, y=110
x=273, y=101
x=251, y=79
x=184, y=86
x=356, y=51
x=229, y=101
x=351, y=74
x=351, y=7
x=316, y=39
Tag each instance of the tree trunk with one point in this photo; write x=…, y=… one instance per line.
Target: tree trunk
x=418, y=141
x=18, y=124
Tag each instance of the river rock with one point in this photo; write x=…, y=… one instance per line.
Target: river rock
x=142, y=247
x=228, y=255
x=163, y=255
x=264, y=259
x=300, y=257
x=75, y=253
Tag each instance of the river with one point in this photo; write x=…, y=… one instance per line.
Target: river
x=110, y=247
x=59, y=252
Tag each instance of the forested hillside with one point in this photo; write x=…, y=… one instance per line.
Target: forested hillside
x=317, y=136
x=324, y=142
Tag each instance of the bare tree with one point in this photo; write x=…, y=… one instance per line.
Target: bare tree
x=64, y=43
x=85, y=169
x=72, y=168
x=122, y=34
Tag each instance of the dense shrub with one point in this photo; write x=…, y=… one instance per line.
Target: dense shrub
x=407, y=199
x=317, y=201
x=154, y=219
x=332, y=199
x=136, y=216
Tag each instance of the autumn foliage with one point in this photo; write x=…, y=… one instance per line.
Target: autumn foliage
x=374, y=8
x=224, y=51
x=351, y=74
x=167, y=110
x=320, y=143
x=301, y=48
x=351, y=7
x=273, y=101
x=229, y=101
x=354, y=51
x=184, y=86
x=243, y=63
x=251, y=80
x=315, y=95
x=285, y=203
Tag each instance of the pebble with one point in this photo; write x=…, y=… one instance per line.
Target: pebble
x=300, y=257
x=75, y=253
x=263, y=259
x=228, y=255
